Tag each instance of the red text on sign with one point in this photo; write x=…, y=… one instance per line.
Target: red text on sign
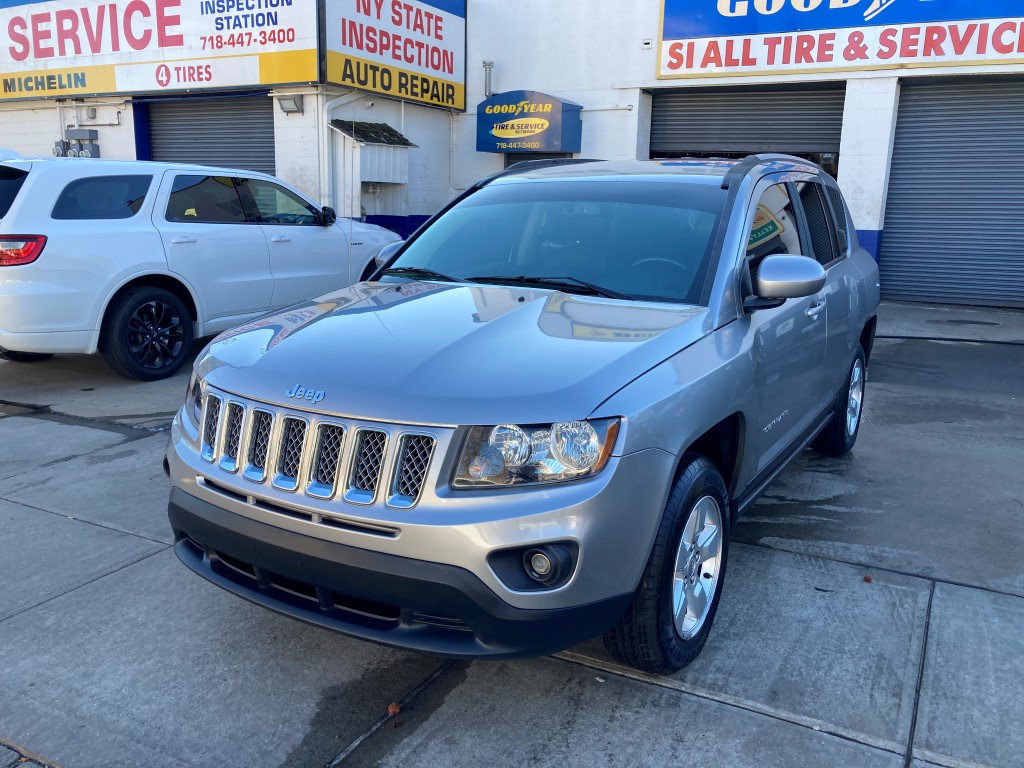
x=95, y=29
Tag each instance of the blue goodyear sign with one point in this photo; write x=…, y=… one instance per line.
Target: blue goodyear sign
x=528, y=121
x=721, y=37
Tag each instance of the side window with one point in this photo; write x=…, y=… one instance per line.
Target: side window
x=102, y=197
x=842, y=222
x=774, y=230
x=278, y=205
x=820, y=225
x=205, y=200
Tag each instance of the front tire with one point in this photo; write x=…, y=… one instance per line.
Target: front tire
x=23, y=357
x=147, y=334
x=838, y=438
x=669, y=620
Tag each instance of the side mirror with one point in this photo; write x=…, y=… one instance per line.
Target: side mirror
x=384, y=254
x=328, y=216
x=783, y=276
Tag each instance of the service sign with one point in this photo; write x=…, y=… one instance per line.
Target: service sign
x=82, y=47
x=409, y=49
x=702, y=38
x=528, y=121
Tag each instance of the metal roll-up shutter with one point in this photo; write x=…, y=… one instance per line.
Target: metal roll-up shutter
x=237, y=133
x=953, y=213
x=745, y=120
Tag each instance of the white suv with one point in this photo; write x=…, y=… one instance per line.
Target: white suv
x=135, y=259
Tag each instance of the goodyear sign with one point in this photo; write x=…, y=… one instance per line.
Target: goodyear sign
x=410, y=49
x=85, y=47
x=746, y=37
x=528, y=121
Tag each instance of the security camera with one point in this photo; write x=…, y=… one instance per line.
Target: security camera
x=368, y=103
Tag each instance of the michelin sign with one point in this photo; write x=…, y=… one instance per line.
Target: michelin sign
x=714, y=38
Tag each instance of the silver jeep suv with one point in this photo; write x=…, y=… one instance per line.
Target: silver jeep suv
x=540, y=418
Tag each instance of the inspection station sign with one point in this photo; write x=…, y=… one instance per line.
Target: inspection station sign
x=702, y=38
x=410, y=49
x=84, y=47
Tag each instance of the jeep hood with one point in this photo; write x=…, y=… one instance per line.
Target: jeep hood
x=437, y=353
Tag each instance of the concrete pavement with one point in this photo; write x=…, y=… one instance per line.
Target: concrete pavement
x=871, y=614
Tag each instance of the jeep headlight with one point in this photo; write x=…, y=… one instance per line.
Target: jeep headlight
x=194, y=400
x=511, y=454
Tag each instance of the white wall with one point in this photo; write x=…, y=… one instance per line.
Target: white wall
x=297, y=142
x=31, y=127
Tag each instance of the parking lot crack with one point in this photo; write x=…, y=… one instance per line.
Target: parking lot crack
x=882, y=569
x=87, y=582
x=404, y=704
x=909, y=756
x=25, y=754
x=570, y=657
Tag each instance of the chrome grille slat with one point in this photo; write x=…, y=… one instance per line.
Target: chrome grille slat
x=327, y=456
x=232, y=437
x=289, y=455
x=259, y=445
x=211, y=424
x=367, y=464
x=411, y=466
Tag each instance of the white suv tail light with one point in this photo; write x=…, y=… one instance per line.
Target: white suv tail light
x=20, y=249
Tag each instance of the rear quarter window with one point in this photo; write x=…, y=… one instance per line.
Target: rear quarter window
x=11, y=180
x=102, y=197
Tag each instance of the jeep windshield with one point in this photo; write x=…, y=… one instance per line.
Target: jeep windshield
x=622, y=237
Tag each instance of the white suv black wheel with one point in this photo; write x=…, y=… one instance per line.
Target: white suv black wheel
x=670, y=617
x=147, y=334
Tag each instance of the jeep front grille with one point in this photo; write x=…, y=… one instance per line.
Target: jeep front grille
x=324, y=459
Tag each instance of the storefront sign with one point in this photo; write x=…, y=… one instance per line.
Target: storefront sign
x=84, y=47
x=528, y=121
x=702, y=38
x=410, y=49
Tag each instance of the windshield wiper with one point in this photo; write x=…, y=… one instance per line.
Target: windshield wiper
x=572, y=283
x=430, y=274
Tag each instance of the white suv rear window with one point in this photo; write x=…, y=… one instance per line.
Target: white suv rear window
x=11, y=180
x=102, y=197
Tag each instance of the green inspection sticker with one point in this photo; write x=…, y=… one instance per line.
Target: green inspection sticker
x=766, y=226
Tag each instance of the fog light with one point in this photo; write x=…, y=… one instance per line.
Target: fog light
x=550, y=564
x=541, y=564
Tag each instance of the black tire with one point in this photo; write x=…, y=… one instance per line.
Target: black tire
x=646, y=636
x=837, y=439
x=147, y=334
x=23, y=357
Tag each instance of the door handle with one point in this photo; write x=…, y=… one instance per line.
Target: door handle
x=815, y=309
x=183, y=240
x=280, y=239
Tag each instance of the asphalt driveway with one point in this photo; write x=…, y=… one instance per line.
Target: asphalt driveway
x=872, y=613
